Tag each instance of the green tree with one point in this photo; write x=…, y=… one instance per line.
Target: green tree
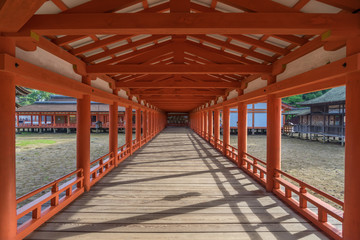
x=294, y=100
x=34, y=96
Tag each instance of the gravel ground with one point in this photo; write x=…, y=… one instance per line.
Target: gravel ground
x=40, y=163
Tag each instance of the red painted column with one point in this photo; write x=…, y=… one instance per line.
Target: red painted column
x=226, y=128
x=113, y=130
x=8, y=221
x=138, y=125
x=206, y=128
x=83, y=135
x=150, y=124
x=216, y=125
x=351, y=225
x=210, y=124
x=128, y=127
x=154, y=124
x=145, y=124
x=202, y=124
x=242, y=132
x=273, y=153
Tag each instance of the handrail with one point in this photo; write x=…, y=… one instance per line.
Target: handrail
x=320, y=218
x=102, y=168
x=41, y=214
x=109, y=155
x=40, y=189
x=255, y=158
x=318, y=191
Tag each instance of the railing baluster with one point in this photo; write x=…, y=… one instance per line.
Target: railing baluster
x=36, y=213
x=55, y=200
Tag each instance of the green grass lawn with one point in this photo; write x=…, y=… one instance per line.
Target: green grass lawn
x=26, y=142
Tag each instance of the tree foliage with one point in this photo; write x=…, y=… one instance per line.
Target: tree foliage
x=294, y=100
x=34, y=96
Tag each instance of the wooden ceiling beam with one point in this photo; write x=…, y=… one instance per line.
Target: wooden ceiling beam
x=139, y=56
x=190, y=23
x=99, y=44
x=15, y=13
x=180, y=69
x=178, y=92
x=347, y=5
x=211, y=50
x=235, y=48
x=215, y=57
x=102, y=6
x=258, y=6
x=177, y=84
x=260, y=44
x=122, y=48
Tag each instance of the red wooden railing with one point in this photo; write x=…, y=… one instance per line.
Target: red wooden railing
x=123, y=152
x=60, y=194
x=39, y=208
x=135, y=145
x=256, y=168
x=100, y=167
x=302, y=197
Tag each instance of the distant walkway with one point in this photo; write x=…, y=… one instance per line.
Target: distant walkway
x=177, y=187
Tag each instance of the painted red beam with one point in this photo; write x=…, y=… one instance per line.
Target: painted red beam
x=327, y=76
x=179, y=69
x=190, y=23
x=32, y=76
x=15, y=13
x=173, y=84
x=179, y=92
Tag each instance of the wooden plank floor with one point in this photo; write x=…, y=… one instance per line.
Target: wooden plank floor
x=177, y=187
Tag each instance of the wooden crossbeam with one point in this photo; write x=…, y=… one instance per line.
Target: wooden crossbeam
x=177, y=92
x=233, y=47
x=138, y=56
x=258, y=6
x=123, y=48
x=15, y=13
x=98, y=44
x=180, y=69
x=348, y=5
x=190, y=23
x=180, y=84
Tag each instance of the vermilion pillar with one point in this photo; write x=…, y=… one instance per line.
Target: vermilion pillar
x=351, y=225
x=83, y=135
x=242, y=132
x=206, y=129
x=138, y=125
x=149, y=123
x=210, y=124
x=202, y=123
x=8, y=219
x=145, y=124
x=226, y=128
x=128, y=127
x=216, y=126
x=153, y=123
x=113, y=130
x=273, y=153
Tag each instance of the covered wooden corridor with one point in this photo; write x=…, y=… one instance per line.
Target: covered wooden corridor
x=195, y=57
x=190, y=192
